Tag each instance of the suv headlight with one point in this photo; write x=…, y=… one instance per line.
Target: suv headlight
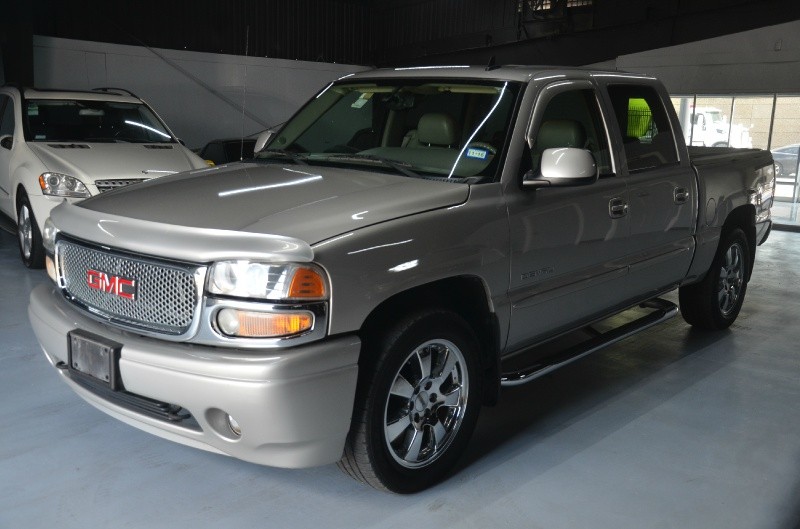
x=279, y=282
x=296, y=283
x=62, y=185
x=49, y=233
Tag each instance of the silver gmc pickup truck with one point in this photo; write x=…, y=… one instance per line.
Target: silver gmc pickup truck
x=358, y=291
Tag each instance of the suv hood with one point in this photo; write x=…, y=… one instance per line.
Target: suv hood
x=101, y=161
x=309, y=203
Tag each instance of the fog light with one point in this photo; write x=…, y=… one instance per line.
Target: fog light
x=234, y=426
x=51, y=268
x=254, y=324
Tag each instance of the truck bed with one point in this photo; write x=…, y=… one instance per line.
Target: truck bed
x=701, y=156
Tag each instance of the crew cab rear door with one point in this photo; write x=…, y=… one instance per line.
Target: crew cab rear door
x=662, y=187
x=567, y=243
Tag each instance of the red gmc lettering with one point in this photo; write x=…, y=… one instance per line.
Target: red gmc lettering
x=118, y=286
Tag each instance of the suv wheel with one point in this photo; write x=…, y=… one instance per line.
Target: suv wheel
x=30, y=240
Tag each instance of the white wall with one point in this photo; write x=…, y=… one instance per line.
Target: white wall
x=199, y=95
x=765, y=60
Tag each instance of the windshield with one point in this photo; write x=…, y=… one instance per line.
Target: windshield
x=440, y=128
x=92, y=121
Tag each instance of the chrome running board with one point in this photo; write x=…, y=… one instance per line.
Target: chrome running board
x=662, y=311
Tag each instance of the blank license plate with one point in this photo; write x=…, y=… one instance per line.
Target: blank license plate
x=94, y=356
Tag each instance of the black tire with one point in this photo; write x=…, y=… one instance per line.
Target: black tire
x=29, y=238
x=409, y=429
x=715, y=302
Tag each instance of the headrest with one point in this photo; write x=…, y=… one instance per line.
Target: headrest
x=436, y=129
x=557, y=133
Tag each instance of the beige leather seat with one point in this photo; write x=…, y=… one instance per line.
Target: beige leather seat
x=555, y=134
x=434, y=130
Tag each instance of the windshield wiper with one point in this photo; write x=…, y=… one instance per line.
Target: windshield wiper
x=400, y=167
x=295, y=157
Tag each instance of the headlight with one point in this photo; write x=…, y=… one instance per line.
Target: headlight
x=62, y=185
x=49, y=236
x=283, y=282
x=297, y=283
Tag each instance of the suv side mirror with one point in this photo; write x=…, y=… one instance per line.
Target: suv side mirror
x=262, y=140
x=6, y=141
x=564, y=167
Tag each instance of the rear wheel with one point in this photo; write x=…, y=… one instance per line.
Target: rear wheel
x=417, y=403
x=715, y=302
x=30, y=239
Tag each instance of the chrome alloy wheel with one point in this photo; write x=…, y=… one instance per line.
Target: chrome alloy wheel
x=25, y=230
x=731, y=279
x=426, y=403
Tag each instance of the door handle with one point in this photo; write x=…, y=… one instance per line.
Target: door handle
x=617, y=208
x=680, y=195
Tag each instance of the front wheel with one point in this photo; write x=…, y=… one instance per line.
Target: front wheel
x=715, y=302
x=417, y=403
x=30, y=239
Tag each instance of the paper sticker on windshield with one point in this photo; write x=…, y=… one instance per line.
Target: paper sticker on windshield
x=361, y=101
x=476, y=153
x=33, y=110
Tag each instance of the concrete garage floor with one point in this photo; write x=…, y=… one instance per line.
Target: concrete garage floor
x=669, y=429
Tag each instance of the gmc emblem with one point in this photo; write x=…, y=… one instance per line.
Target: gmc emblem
x=118, y=286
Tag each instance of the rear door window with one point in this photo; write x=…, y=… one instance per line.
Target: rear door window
x=644, y=127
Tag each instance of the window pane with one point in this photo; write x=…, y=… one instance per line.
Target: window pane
x=572, y=119
x=751, y=117
x=712, y=118
x=785, y=145
x=645, y=127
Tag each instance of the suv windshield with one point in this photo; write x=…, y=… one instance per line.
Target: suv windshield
x=443, y=128
x=92, y=121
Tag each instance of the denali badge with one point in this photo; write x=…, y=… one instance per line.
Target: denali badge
x=118, y=286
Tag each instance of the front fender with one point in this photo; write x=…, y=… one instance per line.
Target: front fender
x=373, y=264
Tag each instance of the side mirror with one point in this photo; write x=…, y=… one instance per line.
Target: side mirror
x=6, y=141
x=564, y=167
x=262, y=140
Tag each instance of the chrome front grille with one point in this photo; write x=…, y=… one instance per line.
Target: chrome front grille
x=108, y=185
x=165, y=295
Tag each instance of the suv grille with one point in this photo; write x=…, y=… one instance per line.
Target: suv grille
x=108, y=185
x=166, y=295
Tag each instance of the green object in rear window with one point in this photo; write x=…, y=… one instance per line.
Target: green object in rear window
x=639, y=118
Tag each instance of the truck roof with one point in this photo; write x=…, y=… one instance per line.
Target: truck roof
x=517, y=73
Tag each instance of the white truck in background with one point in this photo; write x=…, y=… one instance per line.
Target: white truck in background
x=710, y=128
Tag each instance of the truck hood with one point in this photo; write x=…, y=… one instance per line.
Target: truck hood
x=308, y=203
x=101, y=161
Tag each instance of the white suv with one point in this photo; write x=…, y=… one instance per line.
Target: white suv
x=60, y=145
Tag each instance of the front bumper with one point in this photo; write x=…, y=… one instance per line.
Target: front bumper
x=293, y=405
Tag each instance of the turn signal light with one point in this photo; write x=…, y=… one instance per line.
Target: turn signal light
x=254, y=324
x=51, y=268
x=307, y=283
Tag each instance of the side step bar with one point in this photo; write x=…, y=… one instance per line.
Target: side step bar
x=662, y=311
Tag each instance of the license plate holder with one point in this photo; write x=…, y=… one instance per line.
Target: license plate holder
x=94, y=357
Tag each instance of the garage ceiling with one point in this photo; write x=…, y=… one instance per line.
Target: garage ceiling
x=398, y=32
